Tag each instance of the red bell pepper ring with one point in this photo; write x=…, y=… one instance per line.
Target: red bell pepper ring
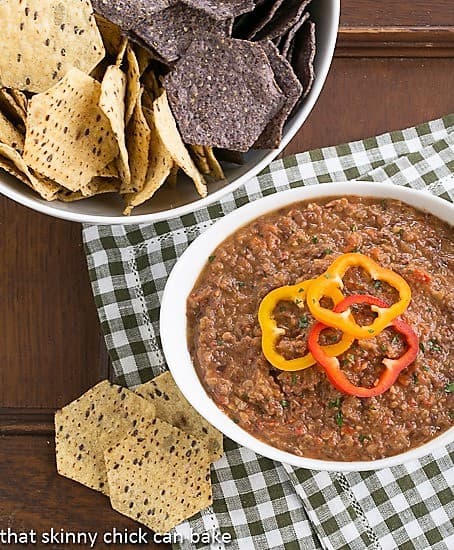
x=393, y=367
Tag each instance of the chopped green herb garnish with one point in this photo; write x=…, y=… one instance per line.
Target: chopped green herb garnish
x=281, y=309
x=339, y=418
x=301, y=290
x=356, y=249
x=285, y=404
x=298, y=301
x=240, y=284
x=328, y=276
x=294, y=378
x=371, y=331
x=449, y=388
x=315, y=239
x=384, y=204
x=451, y=414
x=396, y=339
x=236, y=420
x=363, y=437
x=211, y=258
x=327, y=251
x=377, y=284
x=220, y=342
x=422, y=347
x=335, y=403
x=383, y=348
x=303, y=322
x=354, y=227
x=433, y=345
x=400, y=233
x=415, y=378
x=426, y=368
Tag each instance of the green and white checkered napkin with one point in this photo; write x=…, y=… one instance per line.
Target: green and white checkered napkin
x=264, y=504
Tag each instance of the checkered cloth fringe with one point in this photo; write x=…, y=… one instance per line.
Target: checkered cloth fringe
x=261, y=503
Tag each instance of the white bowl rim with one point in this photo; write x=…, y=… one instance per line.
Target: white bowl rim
x=38, y=204
x=185, y=273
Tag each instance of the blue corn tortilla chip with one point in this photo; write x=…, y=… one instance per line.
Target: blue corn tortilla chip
x=287, y=41
x=169, y=32
x=283, y=20
x=223, y=93
x=303, y=56
x=127, y=14
x=222, y=9
x=288, y=82
x=250, y=24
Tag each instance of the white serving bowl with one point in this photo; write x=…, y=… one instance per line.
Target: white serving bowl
x=173, y=324
x=169, y=202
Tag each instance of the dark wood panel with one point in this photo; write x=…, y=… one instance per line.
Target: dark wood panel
x=51, y=348
x=33, y=496
x=365, y=97
x=365, y=13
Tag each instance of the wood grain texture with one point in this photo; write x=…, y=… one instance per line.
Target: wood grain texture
x=32, y=496
x=50, y=344
x=405, y=13
x=366, y=97
x=394, y=68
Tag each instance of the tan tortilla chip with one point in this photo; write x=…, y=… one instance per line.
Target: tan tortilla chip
x=121, y=51
x=85, y=428
x=168, y=132
x=10, y=107
x=9, y=135
x=143, y=58
x=172, y=406
x=112, y=104
x=69, y=139
x=133, y=87
x=138, y=144
x=151, y=84
x=43, y=39
x=216, y=170
x=198, y=155
x=97, y=186
x=46, y=188
x=158, y=476
x=173, y=176
x=21, y=100
x=111, y=35
x=160, y=165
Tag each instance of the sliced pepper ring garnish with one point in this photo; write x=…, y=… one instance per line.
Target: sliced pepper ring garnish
x=332, y=278
x=271, y=332
x=393, y=367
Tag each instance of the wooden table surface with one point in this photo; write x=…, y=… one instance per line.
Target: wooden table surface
x=394, y=67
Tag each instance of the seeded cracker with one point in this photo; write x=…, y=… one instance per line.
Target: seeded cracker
x=168, y=132
x=43, y=39
x=172, y=406
x=160, y=165
x=12, y=162
x=222, y=9
x=138, y=143
x=159, y=476
x=85, y=428
x=112, y=104
x=290, y=85
x=69, y=139
x=211, y=104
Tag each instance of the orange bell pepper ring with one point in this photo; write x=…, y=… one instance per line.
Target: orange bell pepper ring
x=332, y=279
x=271, y=332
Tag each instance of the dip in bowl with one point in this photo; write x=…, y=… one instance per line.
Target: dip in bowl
x=212, y=338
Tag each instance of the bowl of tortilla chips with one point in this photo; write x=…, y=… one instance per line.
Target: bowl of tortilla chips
x=117, y=112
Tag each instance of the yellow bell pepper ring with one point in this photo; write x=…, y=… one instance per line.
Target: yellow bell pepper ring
x=332, y=279
x=271, y=333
